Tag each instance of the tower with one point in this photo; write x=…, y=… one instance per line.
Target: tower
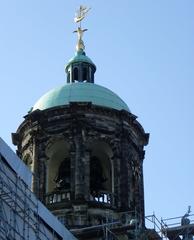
x=86, y=151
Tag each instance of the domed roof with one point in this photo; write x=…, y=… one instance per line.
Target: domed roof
x=80, y=92
x=80, y=56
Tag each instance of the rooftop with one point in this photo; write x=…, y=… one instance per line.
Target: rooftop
x=80, y=92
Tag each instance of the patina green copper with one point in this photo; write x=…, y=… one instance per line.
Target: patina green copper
x=80, y=92
x=78, y=89
x=80, y=56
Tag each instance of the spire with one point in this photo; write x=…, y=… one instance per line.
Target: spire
x=80, y=15
x=80, y=68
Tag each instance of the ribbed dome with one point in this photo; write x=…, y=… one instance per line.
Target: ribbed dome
x=80, y=92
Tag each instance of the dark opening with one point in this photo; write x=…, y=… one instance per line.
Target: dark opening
x=68, y=77
x=85, y=76
x=75, y=73
x=62, y=178
x=97, y=179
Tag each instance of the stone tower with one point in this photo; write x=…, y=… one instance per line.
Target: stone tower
x=86, y=151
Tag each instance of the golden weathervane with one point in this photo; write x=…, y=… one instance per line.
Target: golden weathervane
x=80, y=15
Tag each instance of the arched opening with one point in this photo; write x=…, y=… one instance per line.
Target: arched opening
x=85, y=74
x=68, y=76
x=101, y=172
x=97, y=176
x=75, y=74
x=58, y=179
x=63, y=175
x=91, y=75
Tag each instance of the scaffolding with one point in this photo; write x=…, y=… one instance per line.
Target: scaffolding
x=178, y=228
x=127, y=225
x=22, y=215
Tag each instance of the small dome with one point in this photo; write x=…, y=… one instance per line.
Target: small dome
x=80, y=56
x=80, y=92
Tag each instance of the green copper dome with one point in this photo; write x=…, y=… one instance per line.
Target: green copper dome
x=80, y=92
x=80, y=56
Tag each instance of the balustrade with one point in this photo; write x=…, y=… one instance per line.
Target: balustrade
x=63, y=196
x=57, y=197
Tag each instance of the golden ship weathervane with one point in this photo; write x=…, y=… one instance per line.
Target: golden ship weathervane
x=80, y=15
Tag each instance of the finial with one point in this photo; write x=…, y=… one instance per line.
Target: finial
x=80, y=15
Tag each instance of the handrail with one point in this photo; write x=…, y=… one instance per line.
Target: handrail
x=173, y=222
x=58, y=196
x=65, y=195
x=156, y=222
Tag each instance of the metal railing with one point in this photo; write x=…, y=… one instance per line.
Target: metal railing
x=57, y=197
x=65, y=195
x=102, y=197
x=176, y=221
x=155, y=222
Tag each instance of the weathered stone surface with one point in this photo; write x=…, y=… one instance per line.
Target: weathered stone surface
x=79, y=132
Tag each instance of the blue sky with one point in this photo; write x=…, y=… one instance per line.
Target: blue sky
x=144, y=52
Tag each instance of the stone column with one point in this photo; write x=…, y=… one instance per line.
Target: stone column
x=142, y=193
x=42, y=179
x=124, y=185
x=79, y=169
x=35, y=178
x=87, y=175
